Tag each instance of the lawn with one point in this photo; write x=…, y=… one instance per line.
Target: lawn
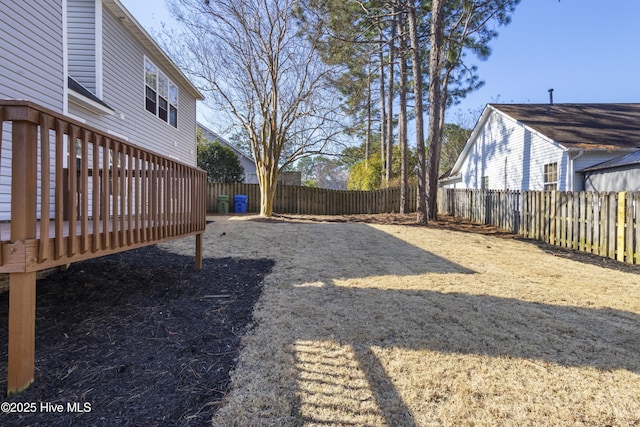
x=379, y=324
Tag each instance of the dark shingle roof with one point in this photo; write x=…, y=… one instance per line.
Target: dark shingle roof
x=583, y=126
x=77, y=87
x=618, y=162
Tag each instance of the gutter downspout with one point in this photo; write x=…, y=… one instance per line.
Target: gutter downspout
x=572, y=172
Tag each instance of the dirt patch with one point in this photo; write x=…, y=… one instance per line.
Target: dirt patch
x=141, y=337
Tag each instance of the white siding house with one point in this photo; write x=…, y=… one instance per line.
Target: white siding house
x=538, y=146
x=92, y=61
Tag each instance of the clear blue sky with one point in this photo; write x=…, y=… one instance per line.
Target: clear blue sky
x=586, y=50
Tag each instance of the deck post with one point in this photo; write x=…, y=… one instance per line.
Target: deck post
x=199, y=251
x=22, y=286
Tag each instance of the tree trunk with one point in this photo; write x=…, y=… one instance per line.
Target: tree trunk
x=383, y=107
x=388, y=162
x=402, y=115
x=435, y=103
x=268, y=179
x=367, y=144
x=421, y=217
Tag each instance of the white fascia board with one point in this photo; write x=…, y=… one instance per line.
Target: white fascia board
x=488, y=109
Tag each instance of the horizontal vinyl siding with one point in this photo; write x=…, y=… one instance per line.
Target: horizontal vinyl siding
x=511, y=156
x=622, y=179
x=31, y=52
x=81, y=33
x=123, y=90
x=590, y=159
x=31, y=68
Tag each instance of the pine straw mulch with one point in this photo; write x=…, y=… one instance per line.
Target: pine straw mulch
x=141, y=336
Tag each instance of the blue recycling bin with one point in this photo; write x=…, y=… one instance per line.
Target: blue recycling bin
x=240, y=203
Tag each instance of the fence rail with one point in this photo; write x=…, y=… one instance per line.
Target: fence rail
x=606, y=224
x=292, y=199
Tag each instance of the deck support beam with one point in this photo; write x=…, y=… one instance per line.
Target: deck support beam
x=22, y=328
x=199, y=251
x=22, y=286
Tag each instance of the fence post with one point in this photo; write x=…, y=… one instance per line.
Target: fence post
x=620, y=221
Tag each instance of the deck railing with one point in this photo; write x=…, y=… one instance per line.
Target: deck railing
x=78, y=192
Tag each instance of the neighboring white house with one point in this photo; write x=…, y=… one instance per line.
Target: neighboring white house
x=250, y=174
x=543, y=146
x=619, y=174
x=92, y=61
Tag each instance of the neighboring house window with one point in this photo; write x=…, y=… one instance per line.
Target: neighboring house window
x=551, y=176
x=484, y=184
x=161, y=95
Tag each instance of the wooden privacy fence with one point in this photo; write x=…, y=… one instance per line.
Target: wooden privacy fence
x=291, y=199
x=606, y=224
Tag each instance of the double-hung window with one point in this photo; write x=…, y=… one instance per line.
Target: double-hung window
x=161, y=94
x=551, y=176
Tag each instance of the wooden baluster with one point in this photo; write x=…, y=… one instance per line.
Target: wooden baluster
x=59, y=190
x=143, y=197
x=72, y=205
x=45, y=161
x=95, y=198
x=130, y=173
x=84, y=191
x=116, y=195
x=123, y=194
x=107, y=175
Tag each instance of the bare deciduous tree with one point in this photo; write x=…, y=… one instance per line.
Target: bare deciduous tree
x=249, y=58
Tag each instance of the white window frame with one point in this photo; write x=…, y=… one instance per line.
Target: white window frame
x=550, y=176
x=159, y=92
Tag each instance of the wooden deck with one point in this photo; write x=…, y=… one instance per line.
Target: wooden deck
x=145, y=198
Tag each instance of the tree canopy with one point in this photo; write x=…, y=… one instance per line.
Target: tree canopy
x=251, y=60
x=220, y=162
x=296, y=75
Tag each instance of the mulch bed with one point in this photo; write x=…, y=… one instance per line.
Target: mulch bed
x=140, y=336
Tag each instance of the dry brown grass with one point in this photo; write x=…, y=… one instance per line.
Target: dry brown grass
x=397, y=325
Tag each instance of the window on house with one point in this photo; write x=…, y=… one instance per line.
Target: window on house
x=484, y=183
x=151, y=82
x=173, y=105
x=161, y=94
x=551, y=176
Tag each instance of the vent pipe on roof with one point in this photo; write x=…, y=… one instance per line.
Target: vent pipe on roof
x=550, y=96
